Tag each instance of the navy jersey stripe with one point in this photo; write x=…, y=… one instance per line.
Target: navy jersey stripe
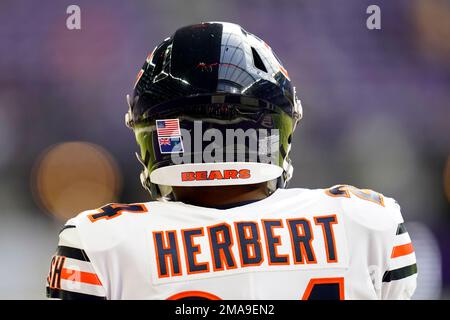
x=73, y=253
x=401, y=229
x=400, y=273
x=70, y=295
x=66, y=227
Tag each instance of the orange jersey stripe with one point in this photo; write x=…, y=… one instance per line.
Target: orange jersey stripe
x=80, y=276
x=402, y=250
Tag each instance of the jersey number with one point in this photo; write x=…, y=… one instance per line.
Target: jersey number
x=365, y=194
x=114, y=210
x=317, y=289
x=194, y=295
x=324, y=289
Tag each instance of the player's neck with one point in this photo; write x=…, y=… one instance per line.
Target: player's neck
x=220, y=196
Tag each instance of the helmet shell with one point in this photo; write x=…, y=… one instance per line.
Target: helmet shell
x=218, y=64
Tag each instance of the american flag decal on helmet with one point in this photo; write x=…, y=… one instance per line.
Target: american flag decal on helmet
x=168, y=128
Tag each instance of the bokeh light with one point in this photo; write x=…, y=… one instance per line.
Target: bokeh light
x=75, y=176
x=433, y=25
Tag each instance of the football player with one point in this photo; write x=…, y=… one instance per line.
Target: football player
x=213, y=112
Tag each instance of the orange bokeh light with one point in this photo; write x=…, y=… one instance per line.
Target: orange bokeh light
x=71, y=177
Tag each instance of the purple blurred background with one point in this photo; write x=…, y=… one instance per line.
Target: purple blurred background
x=376, y=111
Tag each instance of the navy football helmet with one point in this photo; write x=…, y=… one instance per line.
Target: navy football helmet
x=206, y=82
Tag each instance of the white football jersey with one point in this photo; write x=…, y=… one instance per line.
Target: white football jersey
x=337, y=243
